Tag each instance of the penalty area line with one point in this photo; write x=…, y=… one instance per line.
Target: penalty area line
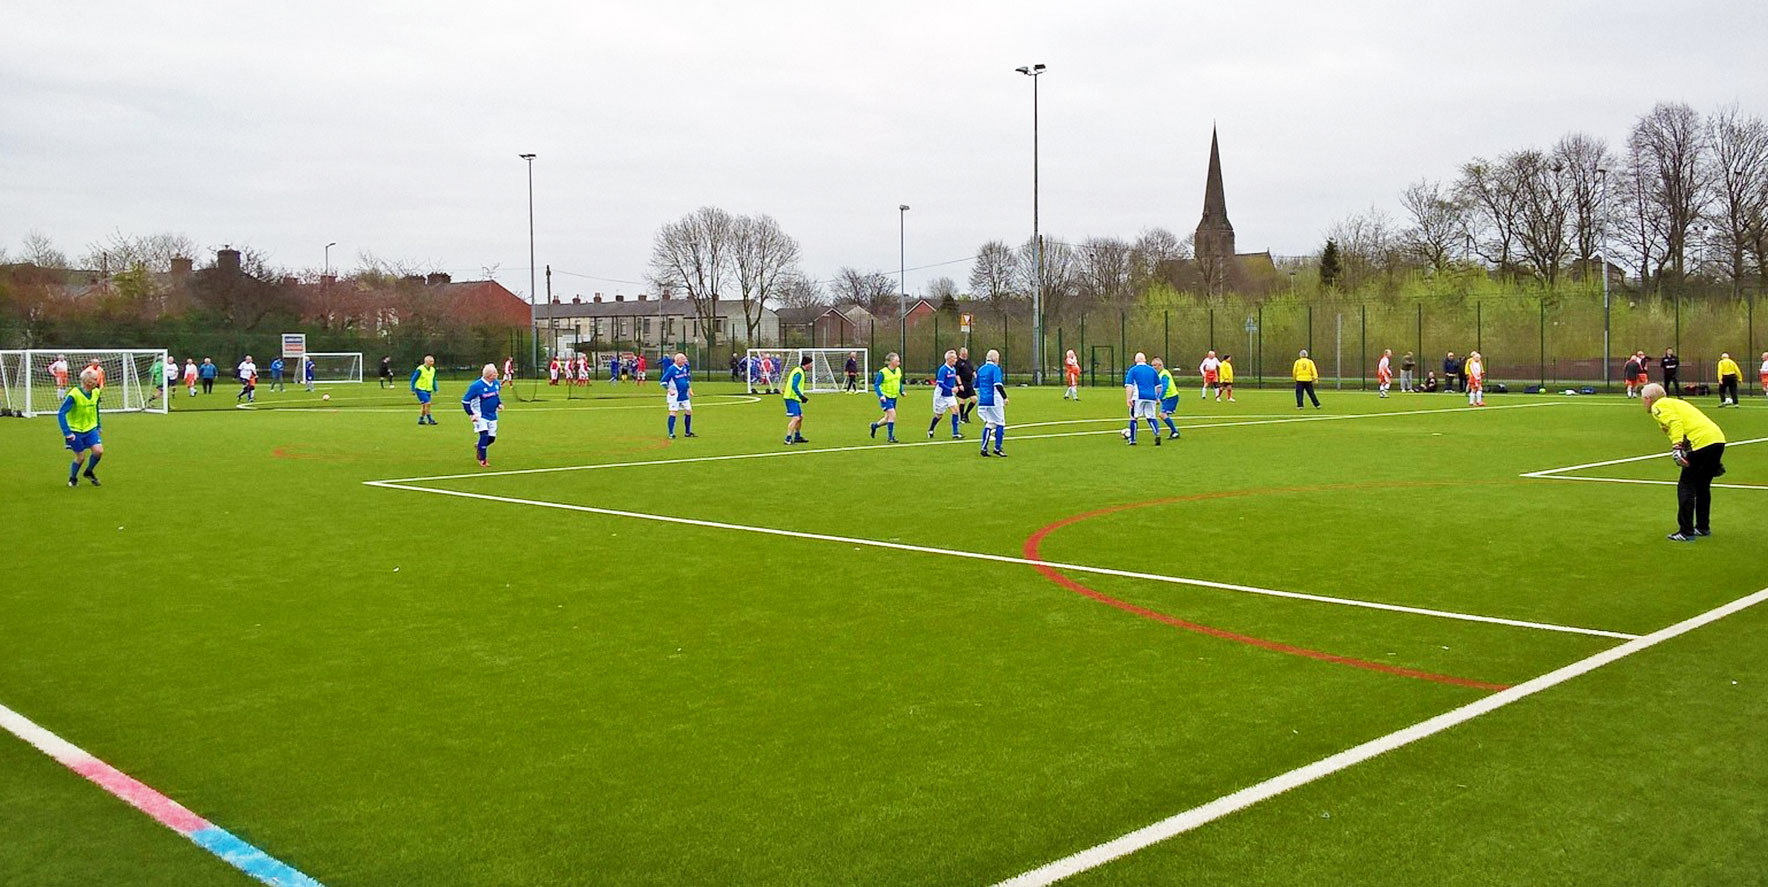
x=1010, y=559
x=1196, y=817
x=1560, y=473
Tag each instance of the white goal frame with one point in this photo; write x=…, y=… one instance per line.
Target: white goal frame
x=301, y=369
x=28, y=388
x=827, y=374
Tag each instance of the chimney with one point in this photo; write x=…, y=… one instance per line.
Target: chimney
x=290, y=280
x=437, y=278
x=598, y=298
x=327, y=279
x=576, y=300
x=619, y=298
x=227, y=260
x=641, y=297
x=181, y=267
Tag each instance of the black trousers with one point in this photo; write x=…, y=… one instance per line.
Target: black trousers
x=208, y=386
x=1307, y=387
x=1694, y=489
x=1728, y=388
x=1671, y=386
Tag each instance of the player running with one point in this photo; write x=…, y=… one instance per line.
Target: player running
x=1476, y=379
x=1169, y=400
x=1211, y=369
x=794, y=396
x=945, y=395
x=423, y=384
x=482, y=400
x=80, y=426
x=1071, y=375
x=676, y=379
x=248, y=380
x=991, y=401
x=1226, y=376
x=1141, y=394
x=887, y=385
x=1384, y=374
x=190, y=372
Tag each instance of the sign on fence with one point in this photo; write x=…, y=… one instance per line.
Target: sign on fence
x=294, y=345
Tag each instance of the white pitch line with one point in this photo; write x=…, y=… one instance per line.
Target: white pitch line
x=1657, y=483
x=773, y=454
x=517, y=406
x=1559, y=473
x=1548, y=472
x=1191, y=819
x=1009, y=559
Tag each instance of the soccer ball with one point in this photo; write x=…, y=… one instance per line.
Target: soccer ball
x=1125, y=432
x=325, y=397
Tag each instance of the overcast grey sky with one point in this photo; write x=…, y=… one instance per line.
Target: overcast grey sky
x=393, y=127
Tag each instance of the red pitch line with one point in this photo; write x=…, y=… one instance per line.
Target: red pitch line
x=1035, y=541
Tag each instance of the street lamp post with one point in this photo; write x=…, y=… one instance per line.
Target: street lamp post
x=327, y=272
x=1602, y=239
x=533, y=313
x=902, y=276
x=1037, y=240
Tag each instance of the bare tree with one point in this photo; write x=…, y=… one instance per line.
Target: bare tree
x=1153, y=251
x=1584, y=161
x=1439, y=223
x=797, y=290
x=691, y=255
x=1640, y=219
x=39, y=250
x=873, y=290
x=153, y=252
x=1739, y=172
x=1367, y=245
x=992, y=276
x=761, y=254
x=941, y=288
x=1542, y=233
x=1104, y=271
x=1494, y=202
x=1058, y=273
x=1669, y=142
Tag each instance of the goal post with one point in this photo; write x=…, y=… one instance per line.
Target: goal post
x=334, y=367
x=766, y=368
x=35, y=380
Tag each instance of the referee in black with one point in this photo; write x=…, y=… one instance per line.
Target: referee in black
x=1670, y=364
x=966, y=384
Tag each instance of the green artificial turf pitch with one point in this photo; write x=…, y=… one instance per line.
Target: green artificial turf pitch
x=386, y=686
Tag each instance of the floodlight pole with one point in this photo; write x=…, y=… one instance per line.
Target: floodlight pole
x=1602, y=238
x=902, y=276
x=1037, y=240
x=327, y=271
x=533, y=311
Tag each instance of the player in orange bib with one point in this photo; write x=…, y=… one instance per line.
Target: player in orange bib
x=1384, y=373
x=100, y=368
x=1071, y=375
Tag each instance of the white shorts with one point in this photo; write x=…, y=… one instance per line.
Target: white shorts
x=678, y=405
x=485, y=425
x=943, y=403
x=1145, y=409
x=992, y=415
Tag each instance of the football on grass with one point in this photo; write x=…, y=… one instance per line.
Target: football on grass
x=325, y=397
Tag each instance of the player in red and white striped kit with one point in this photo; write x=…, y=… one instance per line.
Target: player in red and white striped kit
x=1210, y=368
x=1476, y=379
x=1384, y=373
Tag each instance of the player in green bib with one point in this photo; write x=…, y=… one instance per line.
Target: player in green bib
x=793, y=394
x=423, y=384
x=80, y=425
x=887, y=384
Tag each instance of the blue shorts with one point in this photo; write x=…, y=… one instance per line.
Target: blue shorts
x=423, y=396
x=794, y=407
x=888, y=403
x=1170, y=405
x=84, y=440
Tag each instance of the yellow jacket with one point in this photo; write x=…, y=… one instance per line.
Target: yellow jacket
x=1728, y=367
x=1225, y=373
x=1679, y=418
x=1304, y=370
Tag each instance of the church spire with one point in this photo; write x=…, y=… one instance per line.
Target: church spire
x=1215, y=200
x=1213, y=244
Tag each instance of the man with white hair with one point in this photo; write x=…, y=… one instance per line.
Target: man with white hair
x=1384, y=371
x=58, y=368
x=1475, y=368
x=481, y=402
x=991, y=401
x=676, y=380
x=247, y=371
x=1209, y=368
x=1305, y=375
x=1729, y=374
x=1697, y=444
x=80, y=425
x=945, y=395
x=1141, y=393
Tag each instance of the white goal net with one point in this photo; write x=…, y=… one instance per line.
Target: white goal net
x=331, y=367
x=764, y=369
x=36, y=380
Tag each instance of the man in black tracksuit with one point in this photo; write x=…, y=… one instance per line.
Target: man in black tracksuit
x=966, y=384
x=1670, y=364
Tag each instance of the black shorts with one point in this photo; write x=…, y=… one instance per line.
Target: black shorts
x=965, y=393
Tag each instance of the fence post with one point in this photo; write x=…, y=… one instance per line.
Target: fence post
x=1479, y=326
x=1420, y=351
x=1310, y=329
x=1260, y=358
x=1063, y=353
x=1543, y=345
x=1083, y=348
x=1212, y=328
x=1123, y=336
x=1363, y=348
x=1166, y=335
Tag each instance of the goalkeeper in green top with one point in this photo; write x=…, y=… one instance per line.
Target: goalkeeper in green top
x=80, y=426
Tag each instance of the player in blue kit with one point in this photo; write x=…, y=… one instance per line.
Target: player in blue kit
x=1141, y=393
x=676, y=379
x=991, y=401
x=481, y=402
x=945, y=394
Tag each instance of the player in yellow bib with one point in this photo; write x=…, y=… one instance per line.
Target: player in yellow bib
x=887, y=384
x=793, y=394
x=80, y=425
x=423, y=384
x=1697, y=445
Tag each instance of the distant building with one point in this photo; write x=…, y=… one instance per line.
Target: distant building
x=1217, y=267
x=647, y=322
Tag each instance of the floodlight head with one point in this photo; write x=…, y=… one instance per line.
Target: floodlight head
x=1023, y=69
x=1038, y=68
x=903, y=208
x=526, y=156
